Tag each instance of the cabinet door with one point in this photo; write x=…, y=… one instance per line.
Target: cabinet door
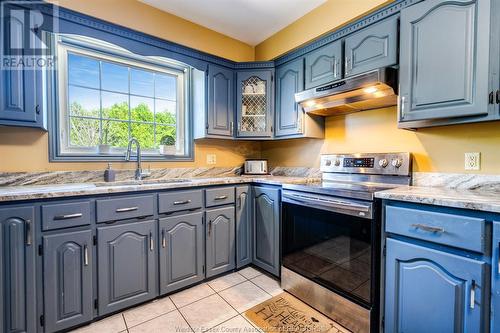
x=67, y=281
x=17, y=256
x=255, y=103
x=289, y=116
x=243, y=226
x=220, y=241
x=182, y=251
x=220, y=101
x=127, y=265
x=324, y=65
x=372, y=48
x=432, y=291
x=266, y=229
x=444, y=59
x=495, y=279
x=18, y=87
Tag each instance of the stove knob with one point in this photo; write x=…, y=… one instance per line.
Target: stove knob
x=328, y=162
x=383, y=162
x=397, y=162
x=337, y=162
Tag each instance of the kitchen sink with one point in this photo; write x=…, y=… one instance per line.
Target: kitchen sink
x=143, y=182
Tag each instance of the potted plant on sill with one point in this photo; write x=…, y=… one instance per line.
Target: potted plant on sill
x=167, y=145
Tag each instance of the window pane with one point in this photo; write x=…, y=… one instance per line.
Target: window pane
x=83, y=102
x=165, y=112
x=114, y=106
x=83, y=71
x=166, y=86
x=166, y=135
x=141, y=82
x=114, y=77
x=84, y=132
x=115, y=133
x=145, y=133
x=142, y=109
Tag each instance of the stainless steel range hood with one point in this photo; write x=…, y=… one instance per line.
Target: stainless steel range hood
x=371, y=90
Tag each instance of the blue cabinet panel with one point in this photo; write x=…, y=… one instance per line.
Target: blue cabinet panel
x=220, y=101
x=244, y=243
x=220, y=233
x=495, y=279
x=432, y=291
x=324, y=65
x=289, y=116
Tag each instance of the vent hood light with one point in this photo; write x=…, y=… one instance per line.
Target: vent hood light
x=371, y=90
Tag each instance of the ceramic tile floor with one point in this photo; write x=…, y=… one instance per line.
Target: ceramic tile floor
x=215, y=306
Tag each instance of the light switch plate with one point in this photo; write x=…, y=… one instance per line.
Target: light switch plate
x=211, y=159
x=473, y=161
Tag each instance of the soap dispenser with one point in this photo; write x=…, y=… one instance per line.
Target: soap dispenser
x=109, y=174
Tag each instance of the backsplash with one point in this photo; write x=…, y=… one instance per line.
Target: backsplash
x=460, y=181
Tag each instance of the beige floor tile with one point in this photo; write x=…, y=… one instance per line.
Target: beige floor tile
x=111, y=324
x=244, y=296
x=249, y=272
x=191, y=295
x=148, y=311
x=237, y=324
x=171, y=322
x=207, y=313
x=270, y=285
x=226, y=281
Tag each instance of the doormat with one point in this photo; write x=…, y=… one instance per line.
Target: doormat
x=287, y=314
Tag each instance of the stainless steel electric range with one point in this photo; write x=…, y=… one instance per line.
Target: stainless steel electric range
x=331, y=236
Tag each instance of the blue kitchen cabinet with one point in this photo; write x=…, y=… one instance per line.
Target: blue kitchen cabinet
x=289, y=115
x=495, y=279
x=266, y=228
x=371, y=48
x=127, y=265
x=323, y=65
x=17, y=270
x=444, y=63
x=182, y=251
x=220, y=240
x=67, y=282
x=255, y=102
x=243, y=226
x=427, y=290
x=220, y=101
x=20, y=87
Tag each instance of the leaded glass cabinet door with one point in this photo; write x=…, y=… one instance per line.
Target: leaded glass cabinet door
x=255, y=103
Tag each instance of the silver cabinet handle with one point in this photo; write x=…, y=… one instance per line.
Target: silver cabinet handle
x=239, y=202
x=68, y=216
x=151, y=242
x=402, y=105
x=163, y=239
x=231, y=128
x=428, y=228
x=335, y=65
x=472, y=294
x=209, y=227
x=85, y=255
x=29, y=232
x=221, y=197
x=127, y=209
x=182, y=202
x=498, y=258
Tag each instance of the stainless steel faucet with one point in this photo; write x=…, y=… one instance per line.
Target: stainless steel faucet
x=139, y=174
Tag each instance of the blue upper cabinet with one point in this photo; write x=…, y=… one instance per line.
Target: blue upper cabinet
x=20, y=87
x=255, y=102
x=324, y=65
x=289, y=115
x=372, y=48
x=495, y=279
x=444, y=59
x=433, y=291
x=220, y=101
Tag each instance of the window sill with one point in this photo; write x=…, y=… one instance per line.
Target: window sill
x=116, y=158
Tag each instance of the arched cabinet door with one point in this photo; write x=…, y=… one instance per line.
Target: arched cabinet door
x=324, y=65
x=127, y=265
x=220, y=101
x=220, y=240
x=289, y=115
x=182, y=253
x=432, y=291
x=243, y=226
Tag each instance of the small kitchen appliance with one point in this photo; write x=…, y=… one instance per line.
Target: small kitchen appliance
x=255, y=167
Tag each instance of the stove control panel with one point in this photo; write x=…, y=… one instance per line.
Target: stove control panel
x=398, y=164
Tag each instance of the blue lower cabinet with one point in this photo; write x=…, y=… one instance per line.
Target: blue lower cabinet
x=127, y=265
x=244, y=244
x=433, y=291
x=67, y=282
x=495, y=279
x=220, y=240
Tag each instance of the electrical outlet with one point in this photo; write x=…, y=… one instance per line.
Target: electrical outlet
x=211, y=159
x=473, y=161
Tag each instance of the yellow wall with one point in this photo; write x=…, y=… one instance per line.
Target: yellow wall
x=327, y=17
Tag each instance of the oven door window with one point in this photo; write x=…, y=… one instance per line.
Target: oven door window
x=333, y=250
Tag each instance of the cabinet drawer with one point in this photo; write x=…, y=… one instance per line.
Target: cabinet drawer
x=65, y=215
x=219, y=196
x=447, y=229
x=178, y=201
x=124, y=208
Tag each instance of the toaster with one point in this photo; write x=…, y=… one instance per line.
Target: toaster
x=255, y=167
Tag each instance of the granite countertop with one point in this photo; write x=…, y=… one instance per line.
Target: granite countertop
x=32, y=192
x=482, y=200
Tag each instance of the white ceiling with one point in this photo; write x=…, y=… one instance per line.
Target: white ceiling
x=250, y=21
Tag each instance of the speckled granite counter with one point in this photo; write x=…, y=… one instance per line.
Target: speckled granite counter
x=33, y=192
x=488, y=201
